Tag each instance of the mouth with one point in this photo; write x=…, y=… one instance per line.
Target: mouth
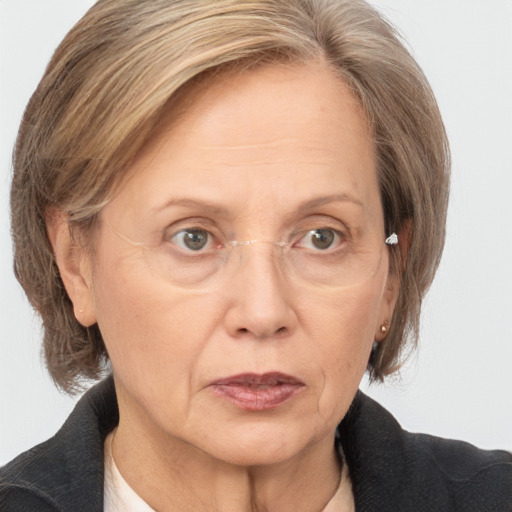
x=257, y=392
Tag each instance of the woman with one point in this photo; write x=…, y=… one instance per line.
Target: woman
x=241, y=204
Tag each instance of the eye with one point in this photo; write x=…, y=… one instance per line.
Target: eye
x=193, y=239
x=320, y=239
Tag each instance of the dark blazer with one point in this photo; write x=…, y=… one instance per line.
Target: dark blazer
x=391, y=470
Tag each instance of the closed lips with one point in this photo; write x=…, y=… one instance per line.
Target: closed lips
x=258, y=380
x=255, y=392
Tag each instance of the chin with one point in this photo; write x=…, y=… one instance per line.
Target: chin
x=259, y=445
x=248, y=456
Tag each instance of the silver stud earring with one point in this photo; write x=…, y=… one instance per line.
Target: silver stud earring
x=392, y=239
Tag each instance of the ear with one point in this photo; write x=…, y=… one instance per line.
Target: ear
x=387, y=306
x=393, y=281
x=74, y=266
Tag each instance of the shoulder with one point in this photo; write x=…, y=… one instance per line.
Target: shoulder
x=66, y=471
x=476, y=479
x=23, y=498
x=420, y=472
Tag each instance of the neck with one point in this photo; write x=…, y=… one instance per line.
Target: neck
x=156, y=466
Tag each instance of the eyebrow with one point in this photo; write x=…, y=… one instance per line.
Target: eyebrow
x=218, y=210
x=211, y=208
x=333, y=198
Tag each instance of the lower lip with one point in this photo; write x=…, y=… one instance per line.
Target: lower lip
x=254, y=398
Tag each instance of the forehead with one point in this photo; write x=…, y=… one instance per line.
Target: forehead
x=280, y=131
x=260, y=107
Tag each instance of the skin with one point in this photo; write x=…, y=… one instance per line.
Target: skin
x=258, y=145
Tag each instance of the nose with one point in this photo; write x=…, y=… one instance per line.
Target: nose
x=260, y=305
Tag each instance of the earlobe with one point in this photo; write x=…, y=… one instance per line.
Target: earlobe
x=74, y=266
x=382, y=331
x=384, y=326
x=387, y=306
x=386, y=314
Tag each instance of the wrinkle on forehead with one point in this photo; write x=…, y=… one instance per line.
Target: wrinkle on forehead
x=271, y=144
x=263, y=141
x=206, y=98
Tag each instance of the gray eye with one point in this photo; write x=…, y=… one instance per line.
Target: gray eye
x=191, y=239
x=322, y=238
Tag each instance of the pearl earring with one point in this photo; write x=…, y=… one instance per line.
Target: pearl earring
x=384, y=327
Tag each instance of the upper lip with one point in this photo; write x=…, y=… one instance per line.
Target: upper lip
x=257, y=379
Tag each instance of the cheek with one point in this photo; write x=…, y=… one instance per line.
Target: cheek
x=344, y=321
x=343, y=327
x=153, y=332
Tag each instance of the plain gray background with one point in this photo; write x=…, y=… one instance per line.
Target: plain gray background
x=459, y=383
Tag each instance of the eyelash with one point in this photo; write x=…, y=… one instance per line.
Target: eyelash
x=338, y=239
x=184, y=231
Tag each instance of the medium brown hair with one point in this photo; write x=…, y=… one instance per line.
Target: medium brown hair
x=114, y=75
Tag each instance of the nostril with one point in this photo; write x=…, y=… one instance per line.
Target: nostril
x=279, y=332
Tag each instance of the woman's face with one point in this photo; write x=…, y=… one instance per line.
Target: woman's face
x=250, y=352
